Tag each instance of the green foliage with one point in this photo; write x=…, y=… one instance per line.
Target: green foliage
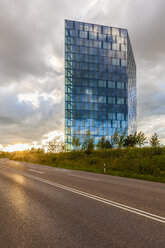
x=108, y=145
x=76, y=143
x=130, y=140
x=140, y=138
x=115, y=138
x=88, y=144
x=2, y=154
x=121, y=139
x=103, y=144
x=154, y=141
x=145, y=163
x=134, y=140
x=118, y=138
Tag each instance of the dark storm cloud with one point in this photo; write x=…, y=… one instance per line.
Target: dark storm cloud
x=6, y=120
x=31, y=31
x=21, y=43
x=32, y=35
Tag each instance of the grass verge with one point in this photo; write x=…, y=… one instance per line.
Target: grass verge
x=139, y=163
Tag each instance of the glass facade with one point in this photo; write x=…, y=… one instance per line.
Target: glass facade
x=100, y=81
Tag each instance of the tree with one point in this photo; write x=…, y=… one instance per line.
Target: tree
x=154, y=141
x=101, y=144
x=108, y=145
x=55, y=146
x=52, y=146
x=121, y=139
x=118, y=139
x=104, y=144
x=61, y=147
x=140, y=138
x=88, y=144
x=76, y=143
x=134, y=139
x=115, y=138
x=130, y=140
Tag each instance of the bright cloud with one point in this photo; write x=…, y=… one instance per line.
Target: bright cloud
x=16, y=147
x=59, y=136
x=36, y=98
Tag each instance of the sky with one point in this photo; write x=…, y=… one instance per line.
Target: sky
x=32, y=63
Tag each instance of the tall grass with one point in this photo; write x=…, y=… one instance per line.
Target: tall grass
x=145, y=163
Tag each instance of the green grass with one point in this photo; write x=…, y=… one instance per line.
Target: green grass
x=140, y=163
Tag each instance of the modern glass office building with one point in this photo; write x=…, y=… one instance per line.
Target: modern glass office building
x=100, y=81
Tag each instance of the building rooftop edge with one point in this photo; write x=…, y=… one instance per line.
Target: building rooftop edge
x=95, y=24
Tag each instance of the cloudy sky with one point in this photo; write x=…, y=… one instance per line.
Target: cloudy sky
x=32, y=59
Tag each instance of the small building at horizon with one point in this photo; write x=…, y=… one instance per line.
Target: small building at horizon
x=100, y=82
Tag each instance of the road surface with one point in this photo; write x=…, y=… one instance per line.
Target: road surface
x=42, y=206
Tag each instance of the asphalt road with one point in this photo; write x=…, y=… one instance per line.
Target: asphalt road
x=42, y=206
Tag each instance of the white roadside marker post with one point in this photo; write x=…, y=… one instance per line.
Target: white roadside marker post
x=104, y=168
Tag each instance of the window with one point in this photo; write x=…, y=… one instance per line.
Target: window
x=106, y=30
x=120, y=39
x=92, y=35
x=111, y=84
x=102, y=37
x=120, y=116
x=124, y=32
x=115, y=62
x=111, y=100
x=97, y=28
x=120, y=85
x=115, y=46
x=68, y=24
x=116, y=124
x=111, y=116
x=86, y=27
x=97, y=44
x=111, y=38
x=123, y=62
x=102, y=83
x=120, y=100
x=106, y=45
x=123, y=48
x=74, y=33
x=102, y=99
x=83, y=34
x=115, y=31
x=78, y=26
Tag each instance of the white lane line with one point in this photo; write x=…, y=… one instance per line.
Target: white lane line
x=94, y=197
x=40, y=172
x=82, y=177
x=60, y=170
x=64, y=170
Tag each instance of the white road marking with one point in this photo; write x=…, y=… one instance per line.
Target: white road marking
x=40, y=172
x=94, y=197
x=57, y=169
x=82, y=177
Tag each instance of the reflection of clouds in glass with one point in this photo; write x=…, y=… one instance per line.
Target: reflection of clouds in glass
x=88, y=91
